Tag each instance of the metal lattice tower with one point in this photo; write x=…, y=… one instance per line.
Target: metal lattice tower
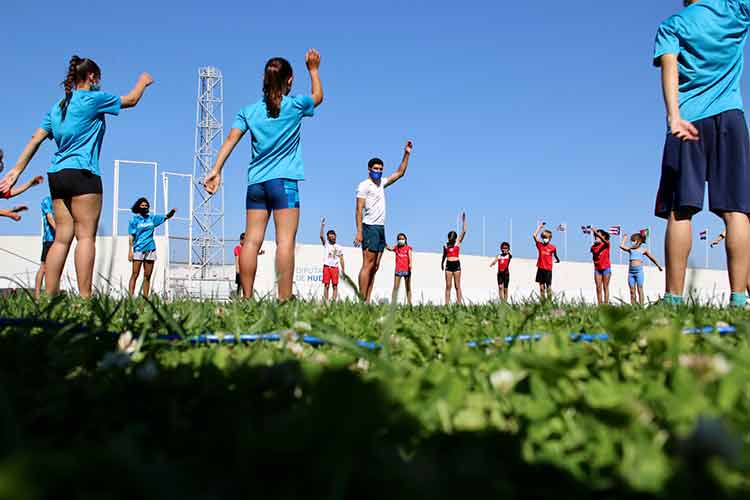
x=208, y=210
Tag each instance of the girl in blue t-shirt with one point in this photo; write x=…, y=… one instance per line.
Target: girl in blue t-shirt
x=76, y=124
x=142, y=247
x=274, y=123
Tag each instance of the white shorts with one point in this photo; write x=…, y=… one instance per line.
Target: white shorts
x=141, y=256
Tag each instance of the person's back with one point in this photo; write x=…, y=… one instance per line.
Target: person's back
x=276, y=144
x=709, y=37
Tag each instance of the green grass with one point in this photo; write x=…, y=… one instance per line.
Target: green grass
x=650, y=414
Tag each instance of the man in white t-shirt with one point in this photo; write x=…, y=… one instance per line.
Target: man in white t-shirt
x=371, y=223
x=332, y=262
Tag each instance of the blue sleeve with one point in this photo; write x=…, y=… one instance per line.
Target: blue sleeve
x=46, y=123
x=132, y=226
x=46, y=206
x=667, y=41
x=159, y=220
x=107, y=103
x=305, y=104
x=240, y=122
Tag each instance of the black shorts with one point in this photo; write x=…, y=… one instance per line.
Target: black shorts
x=721, y=157
x=70, y=182
x=46, y=245
x=503, y=278
x=452, y=266
x=544, y=277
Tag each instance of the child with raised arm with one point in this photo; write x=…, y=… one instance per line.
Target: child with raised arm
x=502, y=260
x=276, y=167
x=600, y=252
x=404, y=262
x=12, y=213
x=333, y=261
x=546, y=251
x=451, y=263
x=638, y=253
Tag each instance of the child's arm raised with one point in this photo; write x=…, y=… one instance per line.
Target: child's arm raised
x=652, y=259
x=401, y=168
x=622, y=243
x=23, y=161
x=13, y=212
x=463, y=228
x=26, y=186
x=718, y=239
x=322, y=228
x=536, y=232
x=312, y=59
x=213, y=180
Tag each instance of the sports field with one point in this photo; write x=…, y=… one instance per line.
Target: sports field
x=422, y=411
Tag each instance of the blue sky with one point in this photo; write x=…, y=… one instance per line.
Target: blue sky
x=517, y=109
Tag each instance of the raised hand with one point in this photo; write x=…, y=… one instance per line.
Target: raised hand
x=37, y=180
x=408, y=147
x=312, y=60
x=145, y=79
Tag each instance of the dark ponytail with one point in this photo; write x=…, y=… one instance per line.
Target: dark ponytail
x=276, y=84
x=78, y=70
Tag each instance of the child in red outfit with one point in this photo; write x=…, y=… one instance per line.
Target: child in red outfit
x=403, y=267
x=544, y=262
x=602, y=264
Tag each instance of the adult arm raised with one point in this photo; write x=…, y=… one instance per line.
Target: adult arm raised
x=404, y=165
x=132, y=98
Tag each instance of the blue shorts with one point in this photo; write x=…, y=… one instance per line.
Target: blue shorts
x=636, y=276
x=373, y=238
x=720, y=157
x=276, y=194
x=603, y=272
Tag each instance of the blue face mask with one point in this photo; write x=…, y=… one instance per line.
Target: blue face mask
x=376, y=176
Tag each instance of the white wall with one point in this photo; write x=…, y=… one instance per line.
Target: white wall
x=19, y=259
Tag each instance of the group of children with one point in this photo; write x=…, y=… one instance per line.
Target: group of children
x=707, y=142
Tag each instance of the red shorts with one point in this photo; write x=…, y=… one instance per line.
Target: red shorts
x=330, y=275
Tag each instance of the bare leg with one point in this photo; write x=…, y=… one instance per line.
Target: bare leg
x=457, y=283
x=326, y=289
x=255, y=230
x=396, y=285
x=632, y=296
x=407, y=284
x=598, y=283
x=134, y=276
x=287, y=222
x=505, y=294
x=677, y=246
x=335, y=292
x=448, y=287
x=605, y=285
x=58, y=253
x=148, y=270
x=640, y=295
x=373, y=274
x=365, y=274
x=39, y=279
x=738, y=248
x=86, y=210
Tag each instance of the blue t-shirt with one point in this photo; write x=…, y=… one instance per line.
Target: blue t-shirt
x=277, y=153
x=142, y=230
x=49, y=233
x=79, y=137
x=708, y=38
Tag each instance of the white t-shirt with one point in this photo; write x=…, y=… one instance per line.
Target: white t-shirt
x=333, y=255
x=374, y=197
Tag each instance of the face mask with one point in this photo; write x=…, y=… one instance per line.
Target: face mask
x=401, y=243
x=144, y=211
x=545, y=240
x=376, y=176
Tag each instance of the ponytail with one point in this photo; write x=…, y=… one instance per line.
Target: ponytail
x=78, y=71
x=276, y=84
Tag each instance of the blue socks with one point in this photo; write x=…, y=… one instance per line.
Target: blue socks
x=673, y=300
x=738, y=299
